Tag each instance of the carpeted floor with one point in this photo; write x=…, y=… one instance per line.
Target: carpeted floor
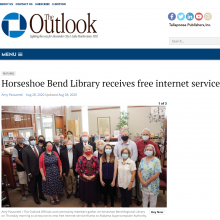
x=16, y=201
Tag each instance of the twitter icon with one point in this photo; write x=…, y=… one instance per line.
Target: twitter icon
x=181, y=16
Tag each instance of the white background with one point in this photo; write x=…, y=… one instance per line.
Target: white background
x=192, y=113
x=120, y=24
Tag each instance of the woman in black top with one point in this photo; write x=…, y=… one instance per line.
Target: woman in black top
x=108, y=172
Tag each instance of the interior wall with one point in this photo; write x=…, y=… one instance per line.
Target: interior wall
x=73, y=116
x=114, y=115
x=93, y=118
x=138, y=119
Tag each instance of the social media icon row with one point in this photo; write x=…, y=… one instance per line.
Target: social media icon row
x=189, y=16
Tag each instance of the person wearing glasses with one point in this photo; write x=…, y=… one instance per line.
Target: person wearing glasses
x=125, y=142
x=141, y=146
x=87, y=167
x=69, y=174
x=148, y=173
x=126, y=176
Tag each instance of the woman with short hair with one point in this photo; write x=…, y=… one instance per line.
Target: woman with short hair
x=99, y=149
x=148, y=172
x=108, y=172
x=87, y=167
x=126, y=176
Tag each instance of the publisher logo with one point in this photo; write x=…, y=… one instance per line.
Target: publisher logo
x=198, y=16
x=181, y=16
x=14, y=25
x=189, y=16
x=207, y=16
x=172, y=16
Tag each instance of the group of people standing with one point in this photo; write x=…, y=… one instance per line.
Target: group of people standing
x=102, y=169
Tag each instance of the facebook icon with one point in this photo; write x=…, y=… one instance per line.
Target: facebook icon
x=172, y=16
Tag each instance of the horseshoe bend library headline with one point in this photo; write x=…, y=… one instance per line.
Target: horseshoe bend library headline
x=120, y=83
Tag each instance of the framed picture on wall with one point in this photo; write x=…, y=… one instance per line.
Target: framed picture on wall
x=104, y=125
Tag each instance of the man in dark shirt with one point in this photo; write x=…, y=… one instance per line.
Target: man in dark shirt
x=61, y=138
x=17, y=155
x=57, y=147
x=79, y=147
x=31, y=156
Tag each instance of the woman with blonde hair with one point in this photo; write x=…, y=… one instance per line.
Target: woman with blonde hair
x=108, y=172
x=87, y=167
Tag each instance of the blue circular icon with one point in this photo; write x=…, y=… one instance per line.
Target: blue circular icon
x=172, y=16
x=14, y=25
x=190, y=16
x=181, y=16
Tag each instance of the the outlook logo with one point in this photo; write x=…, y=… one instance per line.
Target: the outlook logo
x=172, y=16
x=14, y=25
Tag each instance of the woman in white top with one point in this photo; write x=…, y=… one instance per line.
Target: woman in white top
x=126, y=176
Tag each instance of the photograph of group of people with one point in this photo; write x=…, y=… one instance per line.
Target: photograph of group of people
x=93, y=172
